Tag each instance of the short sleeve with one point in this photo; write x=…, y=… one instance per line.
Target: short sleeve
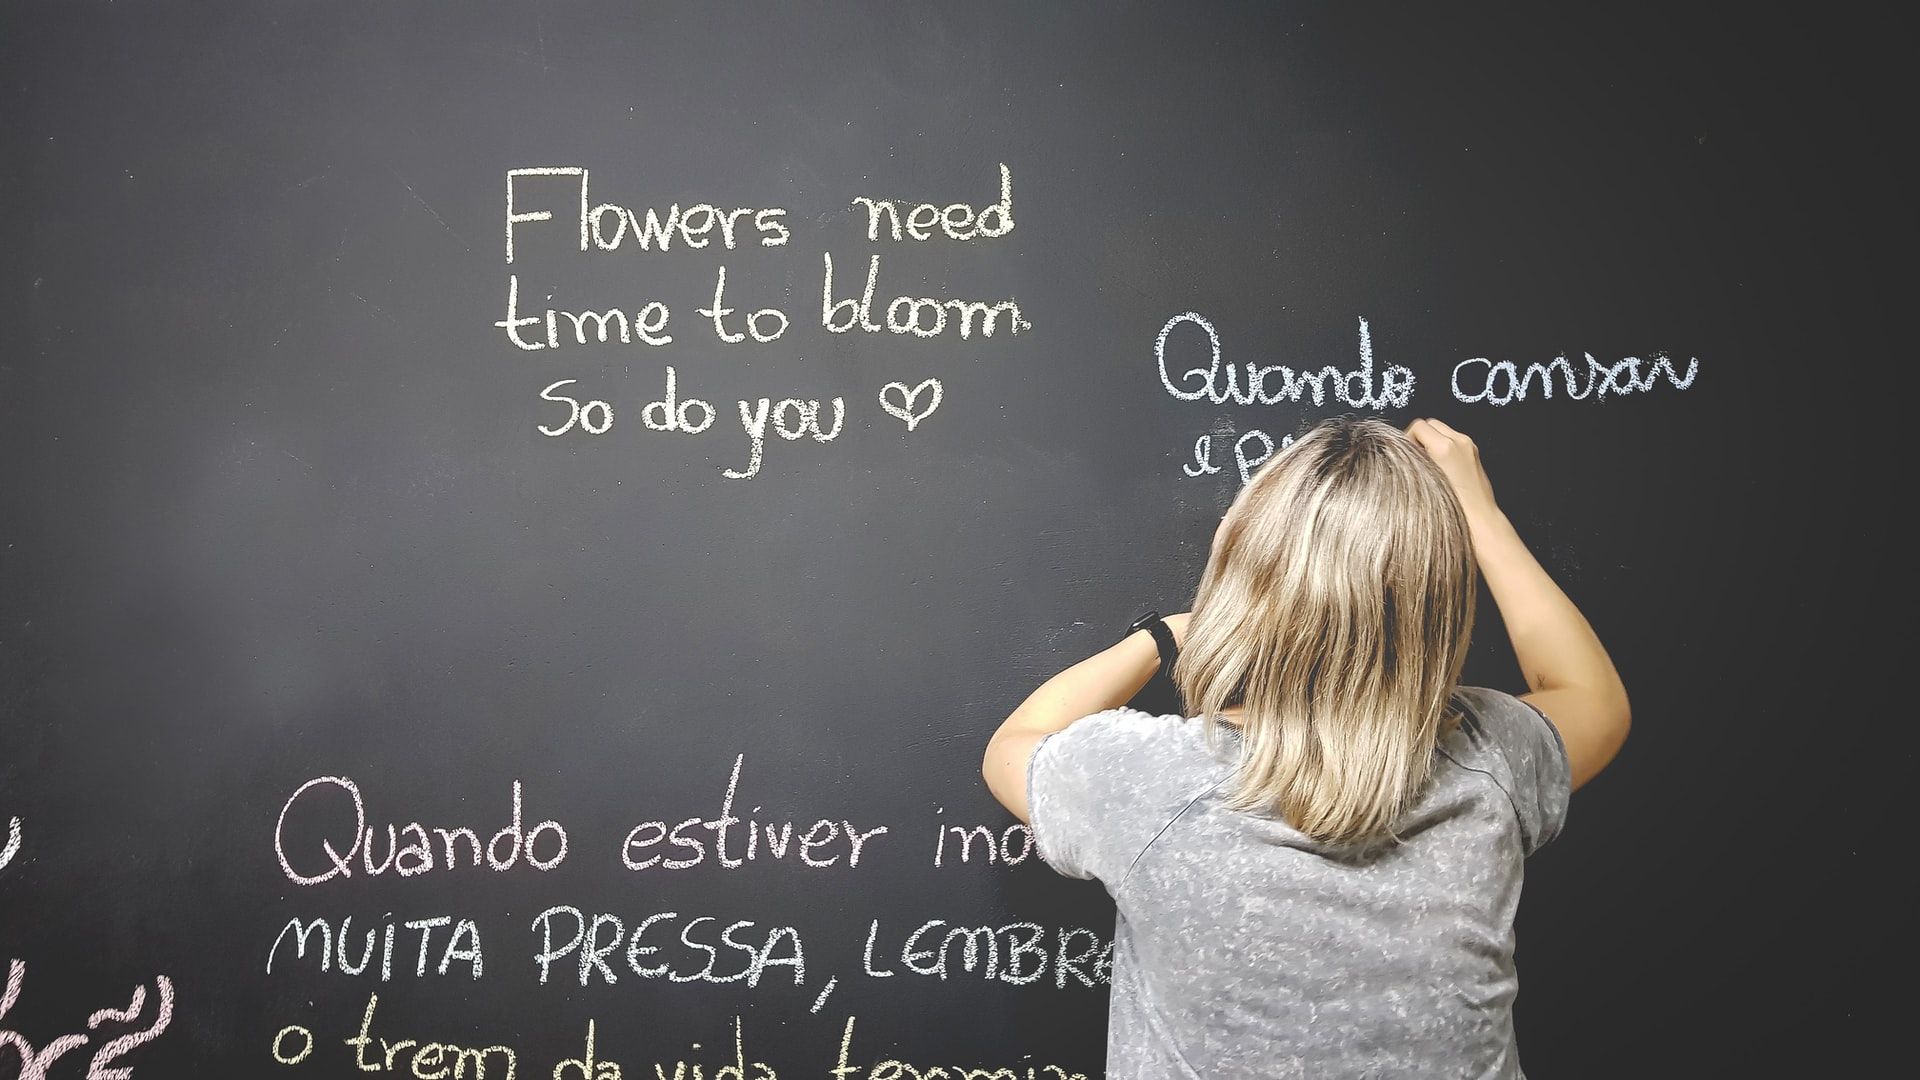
x=1538, y=776
x=1102, y=788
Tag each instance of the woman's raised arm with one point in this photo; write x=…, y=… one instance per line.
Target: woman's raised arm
x=1569, y=674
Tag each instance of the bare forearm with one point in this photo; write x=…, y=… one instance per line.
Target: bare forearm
x=1104, y=680
x=1553, y=642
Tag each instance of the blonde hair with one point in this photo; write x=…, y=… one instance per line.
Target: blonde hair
x=1335, y=608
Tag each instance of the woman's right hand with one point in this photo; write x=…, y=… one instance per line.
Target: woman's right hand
x=1459, y=461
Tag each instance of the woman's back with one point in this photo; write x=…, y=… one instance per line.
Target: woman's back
x=1331, y=625
x=1243, y=948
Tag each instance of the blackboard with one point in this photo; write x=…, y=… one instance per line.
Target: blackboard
x=292, y=519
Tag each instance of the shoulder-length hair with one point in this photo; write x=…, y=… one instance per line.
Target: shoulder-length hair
x=1335, y=609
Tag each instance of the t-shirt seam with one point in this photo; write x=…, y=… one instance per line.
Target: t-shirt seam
x=1155, y=838
x=1554, y=730
x=1512, y=803
x=1560, y=743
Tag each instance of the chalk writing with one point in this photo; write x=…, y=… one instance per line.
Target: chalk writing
x=650, y=230
x=1010, y=846
x=909, y=408
x=646, y=327
x=1271, y=384
x=958, y=221
x=577, y=412
x=105, y=1063
x=758, y=323
x=283, y=1050
x=330, y=951
x=734, y=842
x=792, y=419
x=1503, y=384
x=695, y=953
x=1475, y=381
x=676, y=415
x=429, y=1061
x=12, y=846
x=921, y=316
x=1251, y=449
x=503, y=850
x=595, y=1064
x=891, y=1069
x=1015, y=953
x=821, y=1001
x=549, y=198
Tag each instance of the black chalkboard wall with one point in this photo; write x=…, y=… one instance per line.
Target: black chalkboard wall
x=287, y=519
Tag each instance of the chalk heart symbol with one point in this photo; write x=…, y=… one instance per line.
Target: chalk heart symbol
x=909, y=409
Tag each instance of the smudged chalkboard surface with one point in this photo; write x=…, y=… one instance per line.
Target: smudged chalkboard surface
x=443, y=631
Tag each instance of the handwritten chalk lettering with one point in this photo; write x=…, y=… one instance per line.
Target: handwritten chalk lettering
x=503, y=850
x=1202, y=463
x=958, y=221
x=1016, y=953
x=765, y=325
x=1251, y=449
x=517, y=217
x=1010, y=847
x=295, y=1050
x=593, y=1065
x=909, y=408
x=588, y=1066
x=920, y=316
x=1271, y=384
x=735, y=1068
x=1246, y=463
x=331, y=951
x=891, y=1069
x=671, y=414
x=736, y=842
x=792, y=419
x=606, y=226
x=428, y=1061
x=647, y=326
x=695, y=954
x=12, y=846
x=595, y=417
x=106, y=1062
x=1502, y=383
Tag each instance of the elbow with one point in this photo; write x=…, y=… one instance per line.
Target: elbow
x=993, y=752
x=994, y=772
x=1622, y=715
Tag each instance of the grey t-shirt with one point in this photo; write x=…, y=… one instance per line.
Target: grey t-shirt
x=1242, y=948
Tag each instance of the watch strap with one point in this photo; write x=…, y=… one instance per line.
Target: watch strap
x=1153, y=624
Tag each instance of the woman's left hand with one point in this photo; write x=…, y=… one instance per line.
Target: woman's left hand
x=1178, y=624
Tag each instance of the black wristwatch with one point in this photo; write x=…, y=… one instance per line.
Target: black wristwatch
x=1152, y=623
